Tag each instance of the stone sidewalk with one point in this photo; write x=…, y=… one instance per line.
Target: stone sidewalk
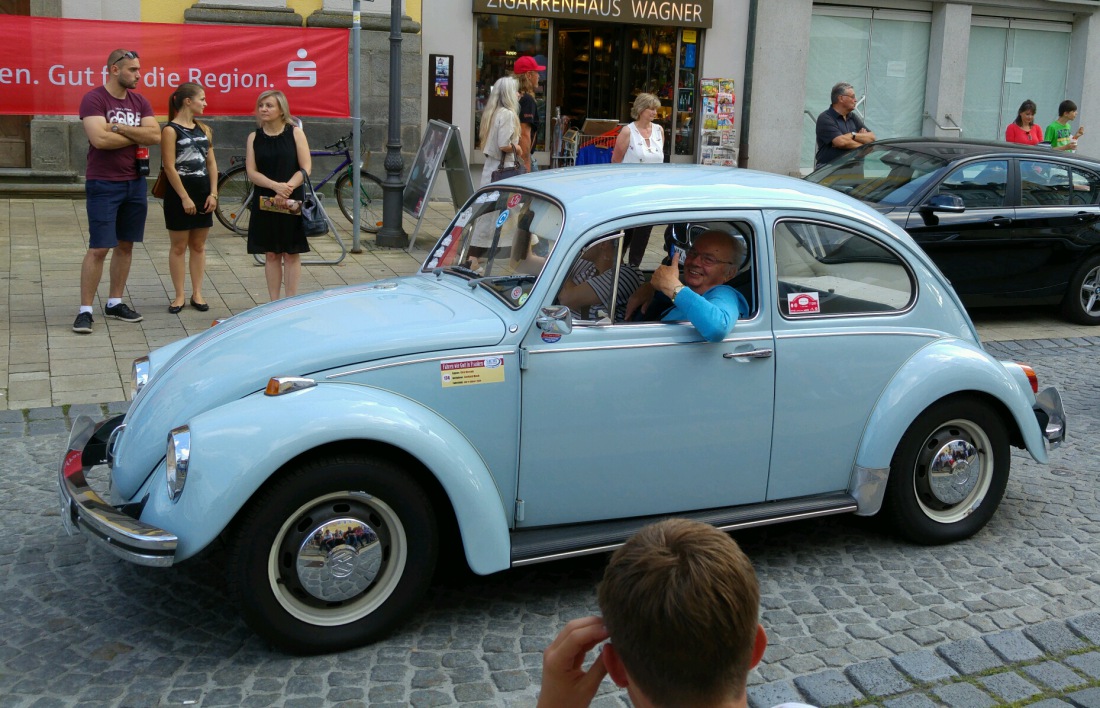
x=44, y=363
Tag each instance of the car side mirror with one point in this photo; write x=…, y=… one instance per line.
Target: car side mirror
x=556, y=319
x=945, y=204
x=942, y=204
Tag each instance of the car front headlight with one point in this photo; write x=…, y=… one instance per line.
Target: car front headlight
x=140, y=376
x=178, y=456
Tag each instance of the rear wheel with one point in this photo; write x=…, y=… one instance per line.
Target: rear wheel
x=370, y=199
x=234, y=191
x=1082, y=301
x=949, y=472
x=333, y=555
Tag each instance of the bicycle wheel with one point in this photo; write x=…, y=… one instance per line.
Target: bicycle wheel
x=234, y=191
x=370, y=199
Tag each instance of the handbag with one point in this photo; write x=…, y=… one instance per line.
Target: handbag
x=314, y=218
x=506, y=172
x=160, y=187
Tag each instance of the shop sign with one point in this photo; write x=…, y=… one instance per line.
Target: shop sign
x=676, y=13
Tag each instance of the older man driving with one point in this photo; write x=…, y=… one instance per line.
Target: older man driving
x=700, y=294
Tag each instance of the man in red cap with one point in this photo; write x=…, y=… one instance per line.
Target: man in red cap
x=527, y=74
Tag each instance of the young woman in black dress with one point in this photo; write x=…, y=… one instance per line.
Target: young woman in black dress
x=275, y=154
x=187, y=154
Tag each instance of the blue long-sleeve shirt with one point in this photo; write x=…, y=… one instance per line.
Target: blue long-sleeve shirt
x=713, y=313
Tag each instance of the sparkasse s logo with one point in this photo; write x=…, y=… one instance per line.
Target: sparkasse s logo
x=301, y=74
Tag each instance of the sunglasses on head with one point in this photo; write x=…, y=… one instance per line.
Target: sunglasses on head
x=125, y=55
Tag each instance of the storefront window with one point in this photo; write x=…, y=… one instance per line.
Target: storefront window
x=501, y=39
x=1029, y=57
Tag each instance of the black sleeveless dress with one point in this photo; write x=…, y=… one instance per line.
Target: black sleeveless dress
x=269, y=231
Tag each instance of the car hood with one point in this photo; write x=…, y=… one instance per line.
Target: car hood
x=295, y=337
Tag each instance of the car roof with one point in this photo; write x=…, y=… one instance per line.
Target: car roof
x=595, y=194
x=952, y=149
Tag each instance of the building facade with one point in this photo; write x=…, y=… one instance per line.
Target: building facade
x=939, y=68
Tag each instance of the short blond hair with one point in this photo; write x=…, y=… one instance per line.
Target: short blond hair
x=280, y=99
x=642, y=102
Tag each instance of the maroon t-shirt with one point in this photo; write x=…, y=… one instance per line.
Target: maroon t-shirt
x=114, y=165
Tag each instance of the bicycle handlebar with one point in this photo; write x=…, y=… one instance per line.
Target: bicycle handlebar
x=341, y=144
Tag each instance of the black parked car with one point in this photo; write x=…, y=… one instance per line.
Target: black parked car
x=1007, y=224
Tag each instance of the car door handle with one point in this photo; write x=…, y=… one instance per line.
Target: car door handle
x=754, y=354
x=1083, y=215
x=1000, y=221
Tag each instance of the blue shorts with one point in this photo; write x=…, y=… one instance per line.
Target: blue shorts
x=116, y=211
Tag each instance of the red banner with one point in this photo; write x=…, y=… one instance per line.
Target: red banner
x=48, y=64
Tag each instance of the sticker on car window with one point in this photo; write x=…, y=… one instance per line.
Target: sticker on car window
x=487, y=197
x=803, y=303
x=514, y=200
x=467, y=372
x=502, y=218
x=464, y=217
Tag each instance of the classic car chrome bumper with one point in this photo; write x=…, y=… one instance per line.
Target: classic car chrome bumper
x=1051, y=416
x=82, y=509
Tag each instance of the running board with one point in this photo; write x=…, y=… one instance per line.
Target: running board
x=555, y=543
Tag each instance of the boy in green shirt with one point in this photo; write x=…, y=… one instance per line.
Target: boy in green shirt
x=1059, y=134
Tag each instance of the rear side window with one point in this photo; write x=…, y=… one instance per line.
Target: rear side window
x=1045, y=183
x=826, y=270
x=980, y=185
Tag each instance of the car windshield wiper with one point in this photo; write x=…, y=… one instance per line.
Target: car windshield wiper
x=517, y=277
x=456, y=269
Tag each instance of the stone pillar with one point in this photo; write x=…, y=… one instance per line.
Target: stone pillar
x=945, y=89
x=1084, y=63
x=776, y=86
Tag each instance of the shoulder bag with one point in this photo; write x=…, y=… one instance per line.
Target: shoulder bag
x=160, y=187
x=314, y=218
x=503, y=172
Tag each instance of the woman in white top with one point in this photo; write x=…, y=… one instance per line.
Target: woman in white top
x=641, y=141
x=499, y=126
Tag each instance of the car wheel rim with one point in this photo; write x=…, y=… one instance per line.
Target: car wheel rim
x=1090, y=292
x=337, y=558
x=953, y=471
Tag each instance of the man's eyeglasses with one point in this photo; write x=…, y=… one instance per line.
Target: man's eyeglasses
x=125, y=55
x=707, y=259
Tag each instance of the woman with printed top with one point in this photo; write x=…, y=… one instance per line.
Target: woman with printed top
x=187, y=156
x=642, y=141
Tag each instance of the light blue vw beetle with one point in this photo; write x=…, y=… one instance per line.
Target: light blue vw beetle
x=340, y=442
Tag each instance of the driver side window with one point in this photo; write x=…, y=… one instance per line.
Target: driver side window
x=979, y=184
x=600, y=281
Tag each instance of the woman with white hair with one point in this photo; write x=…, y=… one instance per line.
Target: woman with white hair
x=500, y=126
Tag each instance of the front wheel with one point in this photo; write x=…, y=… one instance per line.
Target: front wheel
x=234, y=192
x=1082, y=301
x=949, y=472
x=333, y=555
x=370, y=199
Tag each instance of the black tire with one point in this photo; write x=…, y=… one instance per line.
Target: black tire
x=934, y=497
x=234, y=190
x=370, y=210
x=1082, y=301
x=306, y=595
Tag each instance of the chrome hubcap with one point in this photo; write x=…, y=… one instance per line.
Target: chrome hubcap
x=339, y=559
x=954, y=471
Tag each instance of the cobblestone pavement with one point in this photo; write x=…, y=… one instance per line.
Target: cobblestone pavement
x=855, y=617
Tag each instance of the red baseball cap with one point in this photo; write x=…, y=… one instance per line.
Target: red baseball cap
x=525, y=64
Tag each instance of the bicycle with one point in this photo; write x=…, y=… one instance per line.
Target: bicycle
x=235, y=191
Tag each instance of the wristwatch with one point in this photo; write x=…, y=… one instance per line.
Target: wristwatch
x=853, y=135
x=114, y=127
x=676, y=292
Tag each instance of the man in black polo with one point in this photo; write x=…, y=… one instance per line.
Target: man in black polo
x=839, y=129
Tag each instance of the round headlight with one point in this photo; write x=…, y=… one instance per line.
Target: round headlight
x=140, y=376
x=178, y=455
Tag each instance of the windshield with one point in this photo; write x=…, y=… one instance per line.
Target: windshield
x=500, y=240
x=880, y=174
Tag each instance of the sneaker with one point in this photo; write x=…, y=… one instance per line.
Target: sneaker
x=122, y=312
x=83, y=323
